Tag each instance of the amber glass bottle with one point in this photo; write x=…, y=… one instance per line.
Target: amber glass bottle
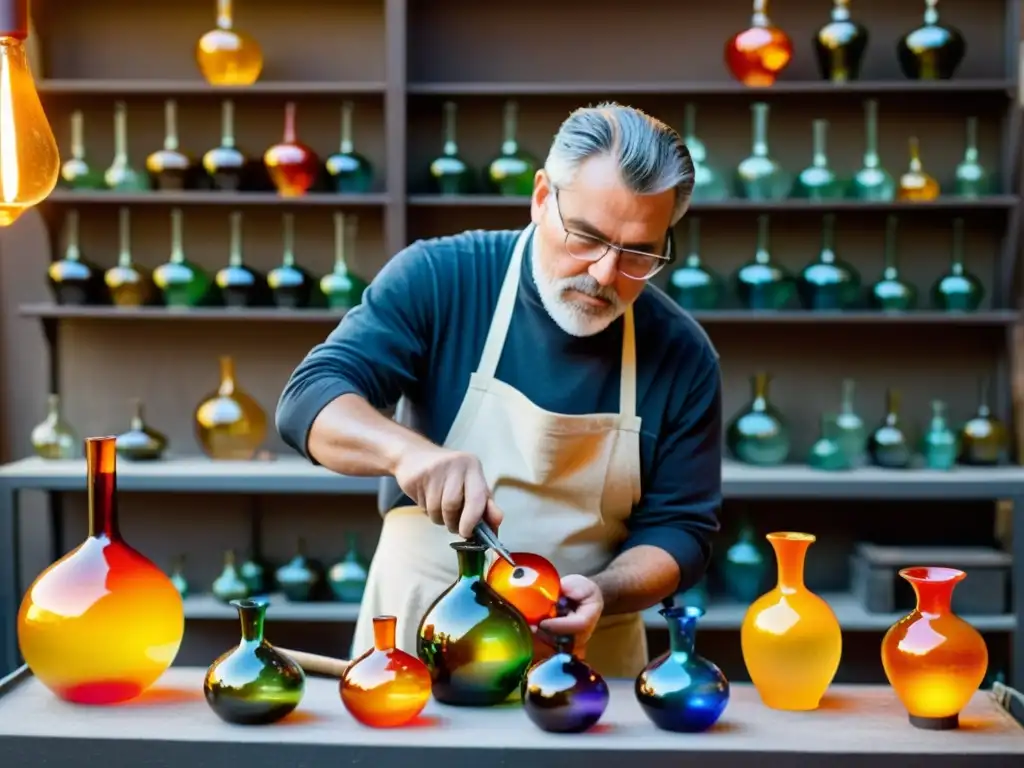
x=229, y=423
x=759, y=53
x=226, y=55
x=130, y=284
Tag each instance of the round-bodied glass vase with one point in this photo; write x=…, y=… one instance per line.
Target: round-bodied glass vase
x=934, y=660
x=475, y=644
x=562, y=693
x=533, y=585
x=253, y=683
x=103, y=623
x=790, y=637
x=680, y=690
x=385, y=687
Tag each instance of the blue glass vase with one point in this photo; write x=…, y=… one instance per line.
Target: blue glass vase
x=563, y=694
x=681, y=691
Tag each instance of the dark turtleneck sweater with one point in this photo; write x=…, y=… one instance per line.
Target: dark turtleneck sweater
x=420, y=331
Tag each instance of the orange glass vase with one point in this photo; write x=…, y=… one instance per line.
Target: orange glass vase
x=934, y=660
x=385, y=687
x=532, y=585
x=790, y=638
x=103, y=623
x=758, y=54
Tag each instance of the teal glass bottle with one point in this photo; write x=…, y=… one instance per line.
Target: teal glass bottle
x=342, y=288
x=476, y=646
x=758, y=434
x=709, y=184
x=891, y=293
x=939, y=444
x=972, y=180
x=745, y=566
x=449, y=173
x=228, y=585
x=827, y=451
x=872, y=182
x=852, y=432
x=829, y=283
x=511, y=172
x=291, y=286
x=762, y=284
x=759, y=176
x=177, y=576
x=958, y=290
x=301, y=579
x=253, y=683
x=818, y=181
x=181, y=282
x=692, y=285
x=889, y=446
x=350, y=172
x=347, y=577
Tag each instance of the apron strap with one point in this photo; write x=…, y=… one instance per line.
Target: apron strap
x=627, y=381
x=503, y=311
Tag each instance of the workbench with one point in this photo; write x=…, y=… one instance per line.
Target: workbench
x=172, y=726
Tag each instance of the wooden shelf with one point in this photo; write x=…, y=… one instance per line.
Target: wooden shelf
x=153, y=87
x=996, y=318
x=318, y=199
x=987, y=86
x=949, y=203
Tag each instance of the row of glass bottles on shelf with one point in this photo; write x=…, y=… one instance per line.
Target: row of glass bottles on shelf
x=179, y=282
x=761, y=177
x=757, y=55
x=759, y=435
x=229, y=425
x=826, y=283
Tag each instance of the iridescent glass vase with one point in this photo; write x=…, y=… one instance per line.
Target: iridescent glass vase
x=563, y=694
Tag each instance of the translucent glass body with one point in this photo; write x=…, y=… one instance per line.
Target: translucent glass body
x=229, y=423
x=563, y=694
x=758, y=54
x=227, y=56
x=533, y=585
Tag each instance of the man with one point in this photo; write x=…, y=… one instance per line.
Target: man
x=554, y=393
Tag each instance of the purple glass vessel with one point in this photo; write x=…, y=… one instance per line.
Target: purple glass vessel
x=563, y=694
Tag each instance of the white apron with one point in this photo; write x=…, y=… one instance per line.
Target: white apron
x=567, y=485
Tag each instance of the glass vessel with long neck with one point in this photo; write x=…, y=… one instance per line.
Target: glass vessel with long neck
x=240, y=285
x=958, y=290
x=73, y=279
x=891, y=292
x=984, y=439
x=840, y=45
x=818, y=181
x=103, y=623
x=972, y=180
x=889, y=445
x=932, y=51
x=758, y=434
x=181, y=282
x=226, y=55
x=292, y=165
x=169, y=168
x=759, y=53
x=708, y=182
x=290, y=285
x=225, y=164
x=759, y=176
x=130, y=284
x=829, y=283
x=229, y=423
x=54, y=437
x=449, y=173
x=762, y=284
x=350, y=172
x=916, y=185
x=511, y=172
x=75, y=172
x=827, y=453
x=939, y=444
x=121, y=176
x=692, y=285
x=341, y=287
x=852, y=433
x=872, y=181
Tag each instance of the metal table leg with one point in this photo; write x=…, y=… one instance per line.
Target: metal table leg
x=10, y=575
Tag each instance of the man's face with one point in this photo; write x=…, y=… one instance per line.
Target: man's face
x=584, y=297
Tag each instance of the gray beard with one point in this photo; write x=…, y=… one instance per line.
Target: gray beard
x=573, y=317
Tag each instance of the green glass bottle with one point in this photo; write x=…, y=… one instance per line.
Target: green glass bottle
x=181, y=282
x=130, y=285
x=762, y=284
x=253, y=683
x=745, y=566
x=239, y=284
x=984, y=439
x=958, y=290
x=827, y=452
x=75, y=172
x=852, y=432
x=347, y=577
x=342, y=288
x=74, y=280
x=972, y=180
x=54, y=437
x=828, y=283
x=121, y=176
x=758, y=434
x=888, y=446
x=228, y=585
x=291, y=286
x=177, y=576
x=350, y=172
x=759, y=176
x=511, y=173
x=939, y=444
x=476, y=646
x=449, y=173
x=818, y=181
x=891, y=292
x=840, y=45
x=692, y=285
x=872, y=182
x=709, y=184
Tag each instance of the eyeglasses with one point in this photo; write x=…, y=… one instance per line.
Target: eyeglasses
x=636, y=265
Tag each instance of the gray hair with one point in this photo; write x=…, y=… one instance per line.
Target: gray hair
x=651, y=155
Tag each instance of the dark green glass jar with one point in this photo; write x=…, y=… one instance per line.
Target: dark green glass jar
x=829, y=283
x=692, y=285
x=888, y=445
x=761, y=283
x=758, y=435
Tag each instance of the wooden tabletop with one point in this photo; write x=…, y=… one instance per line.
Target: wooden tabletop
x=172, y=725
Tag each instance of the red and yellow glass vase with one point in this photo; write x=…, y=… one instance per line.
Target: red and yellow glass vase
x=532, y=585
x=103, y=623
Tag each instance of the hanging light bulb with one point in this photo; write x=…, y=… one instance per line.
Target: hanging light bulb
x=29, y=159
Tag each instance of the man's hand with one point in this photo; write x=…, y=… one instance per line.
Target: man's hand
x=449, y=486
x=582, y=622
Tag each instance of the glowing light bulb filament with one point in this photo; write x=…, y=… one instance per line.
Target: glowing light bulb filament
x=9, y=172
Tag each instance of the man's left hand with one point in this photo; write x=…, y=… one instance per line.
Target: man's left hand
x=580, y=624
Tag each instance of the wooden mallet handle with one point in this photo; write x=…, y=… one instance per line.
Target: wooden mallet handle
x=315, y=664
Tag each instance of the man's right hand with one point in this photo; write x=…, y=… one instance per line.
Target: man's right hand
x=449, y=486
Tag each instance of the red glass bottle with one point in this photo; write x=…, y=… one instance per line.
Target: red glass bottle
x=385, y=687
x=758, y=54
x=532, y=585
x=103, y=623
x=293, y=167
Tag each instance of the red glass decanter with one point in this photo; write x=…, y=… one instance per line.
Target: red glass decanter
x=532, y=585
x=293, y=167
x=758, y=54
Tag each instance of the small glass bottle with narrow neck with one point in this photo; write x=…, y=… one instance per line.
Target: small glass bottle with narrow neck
x=227, y=56
x=342, y=288
x=818, y=181
x=290, y=285
x=709, y=184
x=692, y=285
x=449, y=172
x=122, y=176
x=350, y=172
x=225, y=164
x=54, y=437
x=240, y=285
x=889, y=446
x=169, y=168
x=972, y=180
x=916, y=185
x=74, y=280
x=872, y=182
x=891, y=293
x=758, y=434
x=76, y=173
x=829, y=283
x=958, y=290
x=759, y=176
x=181, y=282
x=130, y=285
x=852, y=432
x=763, y=284
x=511, y=172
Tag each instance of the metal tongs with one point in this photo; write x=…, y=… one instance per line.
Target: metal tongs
x=486, y=535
